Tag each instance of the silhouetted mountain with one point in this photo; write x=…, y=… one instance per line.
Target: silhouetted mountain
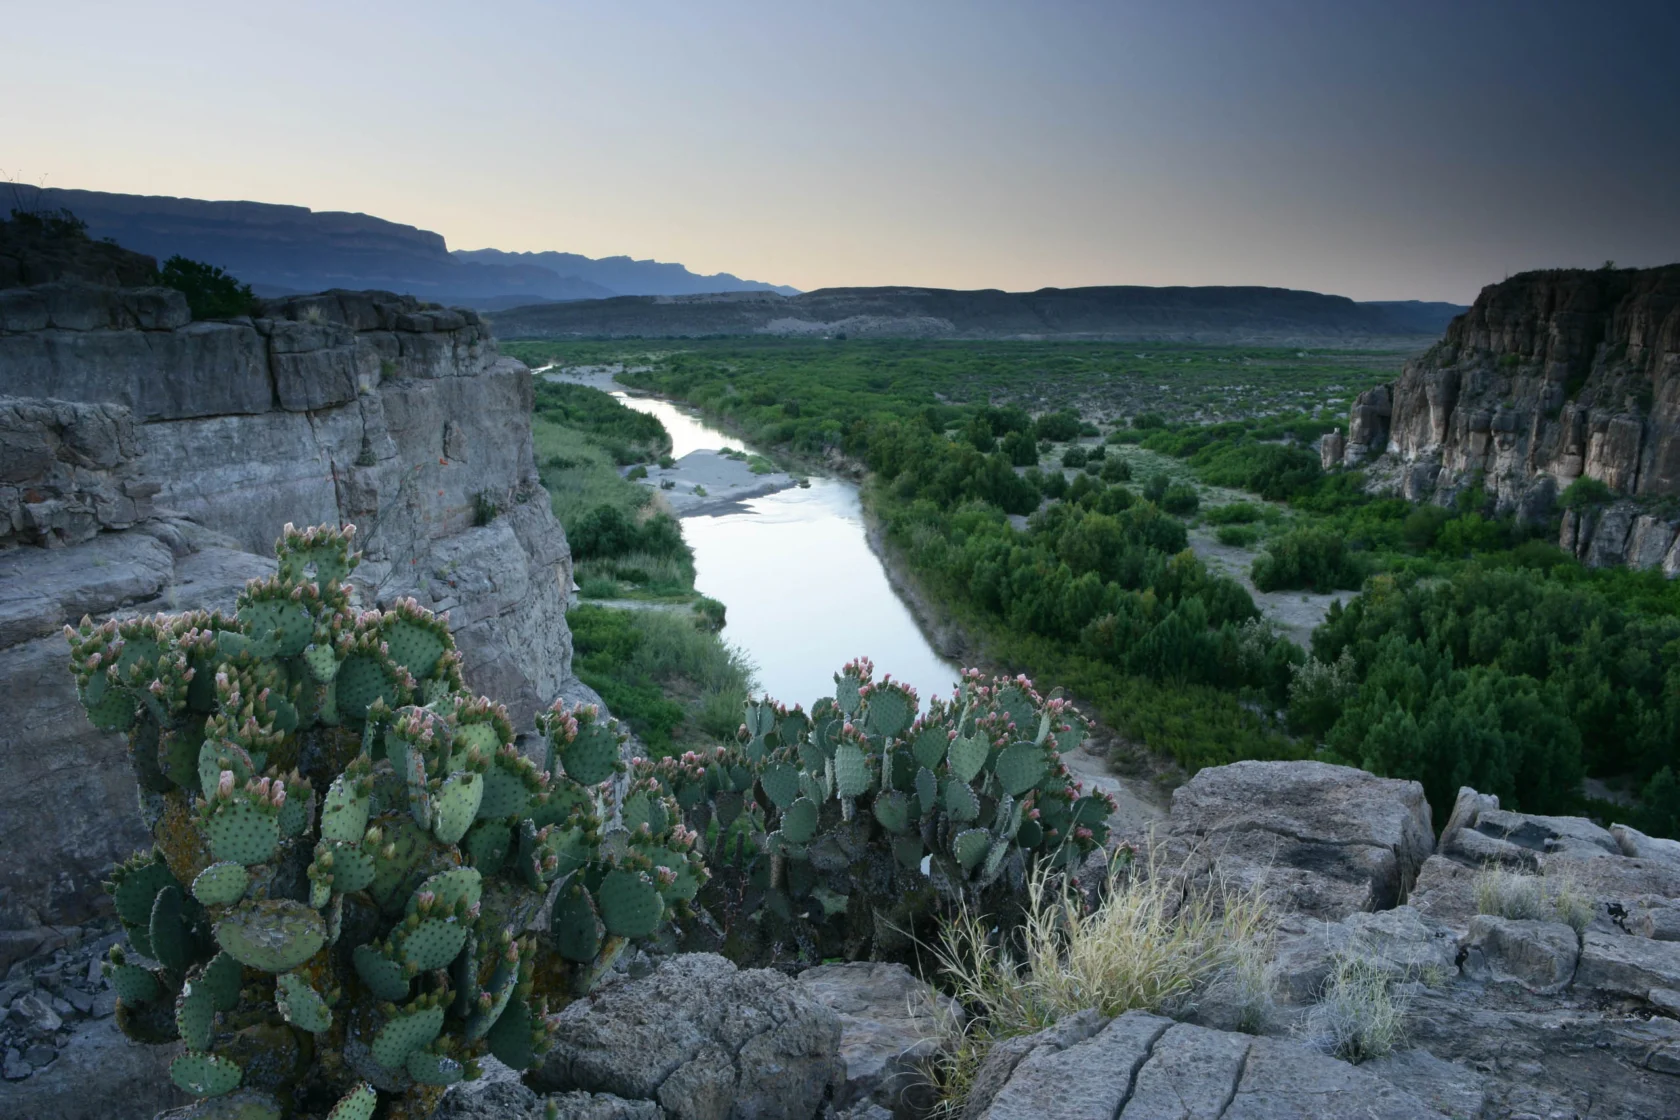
x=1266, y=316
x=280, y=250
x=625, y=276
x=1419, y=315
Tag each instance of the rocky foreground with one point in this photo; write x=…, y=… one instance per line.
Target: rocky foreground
x=1505, y=1017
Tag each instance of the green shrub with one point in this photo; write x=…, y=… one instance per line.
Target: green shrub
x=1058, y=427
x=1233, y=513
x=211, y=293
x=711, y=611
x=1180, y=499
x=1584, y=493
x=485, y=508
x=636, y=473
x=1073, y=456
x=1307, y=559
x=1237, y=536
x=1116, y=470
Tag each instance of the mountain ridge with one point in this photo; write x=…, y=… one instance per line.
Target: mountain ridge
x=1230, y=314
x=282, y=249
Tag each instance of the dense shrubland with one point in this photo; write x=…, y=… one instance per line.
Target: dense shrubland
x=1097, y=590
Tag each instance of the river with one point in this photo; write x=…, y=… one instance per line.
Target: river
x=804, y=590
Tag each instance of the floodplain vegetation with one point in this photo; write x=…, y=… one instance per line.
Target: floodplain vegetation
x=1077, y=508
x=656, y=657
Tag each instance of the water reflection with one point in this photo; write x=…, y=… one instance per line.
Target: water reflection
x=805, y=593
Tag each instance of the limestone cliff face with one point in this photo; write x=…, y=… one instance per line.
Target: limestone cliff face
x=147, y=463
x=1550, y=377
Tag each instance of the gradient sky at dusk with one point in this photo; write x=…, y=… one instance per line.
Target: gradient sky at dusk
x=1380, y=150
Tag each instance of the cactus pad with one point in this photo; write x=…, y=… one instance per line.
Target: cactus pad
x=171, y=939
x=221, y=884
x=994, y=858
x=358, y=1104
x=245, y=1104
x=456, y=806
x=970, y=847
x=276, y=627
x=457, y=885
x=781, y=783
x=1090, y=811
x=434, y=1069
x=892, y=809
x=322, y=662
x=960, y=800
x=851, y=771
x=300, y=1004
x=505, y=793
x=576, y=928
x=133, y=984
x=431, y=944
x=1030, y=835
x=968, y=756
x=593, y=757
x=195, y=1015
x=510, y=1040
x=1019, y=768
x=274, y=935
x=927, y=789
x=630, y=904
x=383, y=976
x=487, y=844
x=352, y=868
x=406, y=1033
x=415, y=645
x=909, y=851
x=345, y=815
x=890, y=711
x=244, y=832
x=799, y=823
x=205, y=1075
x=363, y=678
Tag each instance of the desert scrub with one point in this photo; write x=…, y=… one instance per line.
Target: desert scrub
x=1361, y=1012
x=1149, y=943
x=1237, y=536
x=1520, y=896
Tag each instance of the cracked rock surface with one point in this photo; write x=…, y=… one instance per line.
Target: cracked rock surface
x=704, y=1041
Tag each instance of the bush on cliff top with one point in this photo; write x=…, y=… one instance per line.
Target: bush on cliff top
x=211, y=293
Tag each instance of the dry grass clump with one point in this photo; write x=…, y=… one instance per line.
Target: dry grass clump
x=1148, y=943
x=1361, y=1013
x=1521, y=896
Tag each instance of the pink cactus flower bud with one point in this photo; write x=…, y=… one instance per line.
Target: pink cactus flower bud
x=224, y=784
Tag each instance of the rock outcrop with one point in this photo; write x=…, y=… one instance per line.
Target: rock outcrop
x=147, y=462
x=1549, y=377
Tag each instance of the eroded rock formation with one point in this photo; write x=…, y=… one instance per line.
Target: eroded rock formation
x=1550, y=377
x=147, y=462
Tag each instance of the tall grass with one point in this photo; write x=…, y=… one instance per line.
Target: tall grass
x=1148, y=943
x=1360, y=1013
x=1520, y=896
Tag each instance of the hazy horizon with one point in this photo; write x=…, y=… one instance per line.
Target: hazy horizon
x=1337, y=147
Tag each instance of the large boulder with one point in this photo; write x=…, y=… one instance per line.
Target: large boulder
x=704, y=1041
x=891, y=1025
x=1327, y=841
x=1144, y=1067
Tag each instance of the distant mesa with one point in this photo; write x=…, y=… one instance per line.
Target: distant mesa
x=1225, y=315
x=287, y=250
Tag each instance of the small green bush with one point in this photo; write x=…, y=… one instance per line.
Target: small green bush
x=1586, y=492
x=1237, y=536
x=1116, y=470
x=1308, y=559
x=1179, y=499
x=1235, y=513
x=1073, y=456
x=211, y=293
x=637, y=472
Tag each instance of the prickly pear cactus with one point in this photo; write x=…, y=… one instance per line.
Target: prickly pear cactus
x=351, y=853
x=842, y=831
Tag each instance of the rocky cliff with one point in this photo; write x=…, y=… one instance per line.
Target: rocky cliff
x=147, y=462
x=1549, y=377
x=1269, y=316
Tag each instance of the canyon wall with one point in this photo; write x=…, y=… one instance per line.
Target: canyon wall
x=148, y=462
x=1548, y=378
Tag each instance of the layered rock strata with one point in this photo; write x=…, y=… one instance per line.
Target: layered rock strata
x=1548, y=378
x=147, y=463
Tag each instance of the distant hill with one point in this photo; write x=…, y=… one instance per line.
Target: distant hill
x=1420, y=315
x=625, y=276
x=280, y=250
x=1264, y=316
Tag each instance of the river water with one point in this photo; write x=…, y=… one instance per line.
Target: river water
x=804, y=590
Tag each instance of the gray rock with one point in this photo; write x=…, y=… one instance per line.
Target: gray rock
x=1448, y=1087
x=1001, y=1060
x=40, y=1055
x=1285, y=1080
x=1540, y=956
x=1191, y=1074
x=703, y=1040
x=891, y=1023
x=35, y=1012
x=1327, y=840
x=16, y=1069
x=1624, y=965
x=1637, y=845
x=99, y=1075
x=1445, y=891
x=1088, y=1081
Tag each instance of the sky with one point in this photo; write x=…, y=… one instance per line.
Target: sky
x=1374, y=149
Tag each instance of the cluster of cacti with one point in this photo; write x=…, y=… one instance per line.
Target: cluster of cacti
x=839, y=830
x=351, y=850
